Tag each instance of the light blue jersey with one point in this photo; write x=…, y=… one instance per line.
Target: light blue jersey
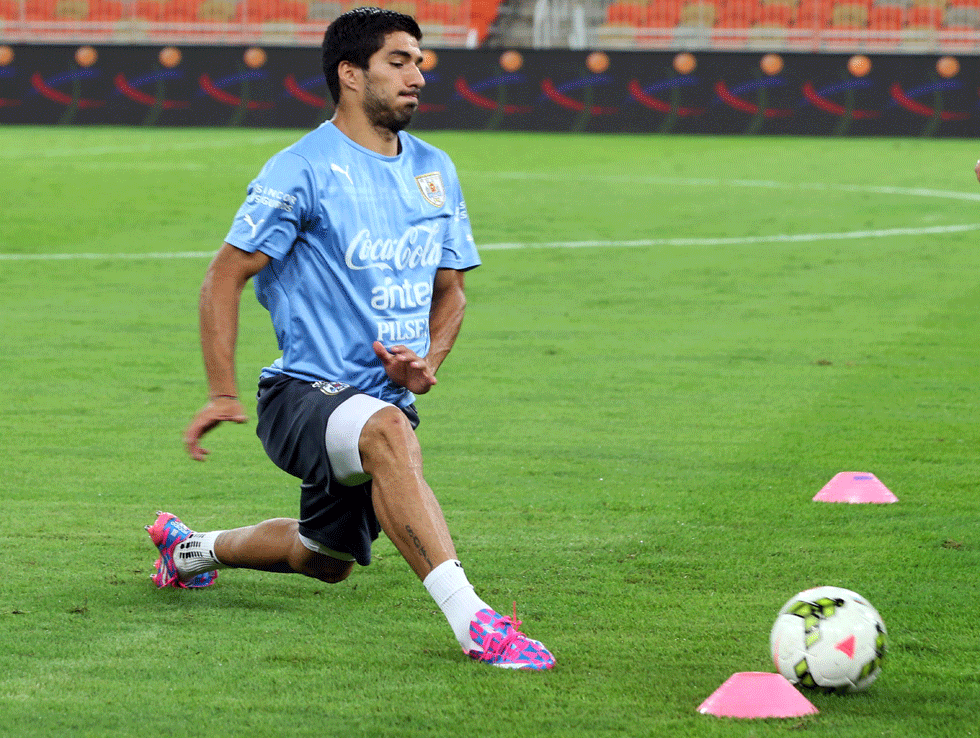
x=355, y=240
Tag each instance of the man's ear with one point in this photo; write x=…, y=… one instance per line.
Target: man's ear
x=350, y=76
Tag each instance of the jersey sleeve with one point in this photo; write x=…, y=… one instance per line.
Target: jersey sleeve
x=278, y=203
x=458, y=248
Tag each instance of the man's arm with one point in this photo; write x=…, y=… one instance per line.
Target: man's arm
x=218, y=308
x=445, y=315
x=416, y=373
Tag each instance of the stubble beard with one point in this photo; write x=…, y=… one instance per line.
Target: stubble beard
x=384, y=115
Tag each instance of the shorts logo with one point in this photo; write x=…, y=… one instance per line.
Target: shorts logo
x=330, y=388
x=431, y=187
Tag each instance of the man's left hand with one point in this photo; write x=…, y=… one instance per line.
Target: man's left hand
x=406, y=368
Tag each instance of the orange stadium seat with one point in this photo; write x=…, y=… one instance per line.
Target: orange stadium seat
x=775, y=15
x=149, y=10
x=105, y=10
x=178, y=11
x=886, y=17
x=626, y=14
x=39, y=9
x=885, y=24
x=739, y=14
x=813, y=13
x=663, y=15
x=262, y=11
x=924, y=17
x=482, y=15
x=9, y=10
x=441, y=13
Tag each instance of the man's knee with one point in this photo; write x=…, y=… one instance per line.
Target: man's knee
x=316, y=565
x=328, y=569
x=387, y=431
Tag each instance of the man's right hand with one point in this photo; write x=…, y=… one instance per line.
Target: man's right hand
x=217, y=411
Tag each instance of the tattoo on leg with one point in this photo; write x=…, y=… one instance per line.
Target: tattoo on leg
x=418, y=545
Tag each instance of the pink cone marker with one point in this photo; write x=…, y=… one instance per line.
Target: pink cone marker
x=855, y=487
x=755, y=694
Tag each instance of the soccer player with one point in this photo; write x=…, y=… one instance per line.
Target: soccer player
x=358, y=241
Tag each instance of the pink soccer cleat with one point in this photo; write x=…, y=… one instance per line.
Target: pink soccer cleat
x=503, y=645
x=166, y=532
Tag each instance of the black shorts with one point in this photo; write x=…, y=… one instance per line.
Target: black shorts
x=292, y=425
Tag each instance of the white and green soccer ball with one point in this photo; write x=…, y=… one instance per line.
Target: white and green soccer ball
x=829, y=639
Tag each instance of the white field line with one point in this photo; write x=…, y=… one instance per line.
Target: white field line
x=642, y=243
x=751, y=183
x=155, y=148
x=738, y=240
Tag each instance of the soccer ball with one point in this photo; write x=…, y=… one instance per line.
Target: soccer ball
x=830, y=639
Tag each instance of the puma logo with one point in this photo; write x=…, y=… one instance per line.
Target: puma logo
x=345, y=172
x=255, y=226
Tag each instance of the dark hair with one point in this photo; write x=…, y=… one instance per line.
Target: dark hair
x=356, y=35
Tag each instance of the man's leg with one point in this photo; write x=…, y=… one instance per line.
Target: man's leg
x=275, y=545
x=405, y=505
x=189, y=559
x=409, y=513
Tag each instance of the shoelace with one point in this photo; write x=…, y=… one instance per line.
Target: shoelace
x=496, y=648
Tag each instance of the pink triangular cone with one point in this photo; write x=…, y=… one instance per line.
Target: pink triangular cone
x=756, y=694
x=855, y=487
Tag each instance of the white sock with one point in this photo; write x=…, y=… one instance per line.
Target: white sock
x=196, y=554
x=452, y=591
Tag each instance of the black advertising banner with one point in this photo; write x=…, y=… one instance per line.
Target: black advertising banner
x=528, y=90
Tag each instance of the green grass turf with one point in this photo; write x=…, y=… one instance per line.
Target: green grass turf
x=626, y=442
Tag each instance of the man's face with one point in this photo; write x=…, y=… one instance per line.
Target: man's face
x=392, y=82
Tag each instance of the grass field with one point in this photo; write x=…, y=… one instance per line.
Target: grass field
x=673, y=344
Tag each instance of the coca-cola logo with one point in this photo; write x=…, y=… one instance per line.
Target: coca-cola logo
x=417, y=247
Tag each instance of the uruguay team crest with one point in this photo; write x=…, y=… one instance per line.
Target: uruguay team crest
x=432, y=189
x=330, y=388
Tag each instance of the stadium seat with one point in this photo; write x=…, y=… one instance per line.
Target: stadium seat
x=849, y=15
x=179, y=11
x=324, y=11
x=483, y=13
x=885, y=24
x=105, y=10
x=626, y=14
x=924, y=17
x=961, y=25
x=813, y=13
x=662, y=15
x=214, y=11
x=775, y=15
x=439, y=13
x=39, y=9
x=409, y=7
x=902, y=5
x=738, y=14
x=255, y=11
x=886, y=18
x=698, y=14
x=147, y=10
x=9, y=10
x=962, y=17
